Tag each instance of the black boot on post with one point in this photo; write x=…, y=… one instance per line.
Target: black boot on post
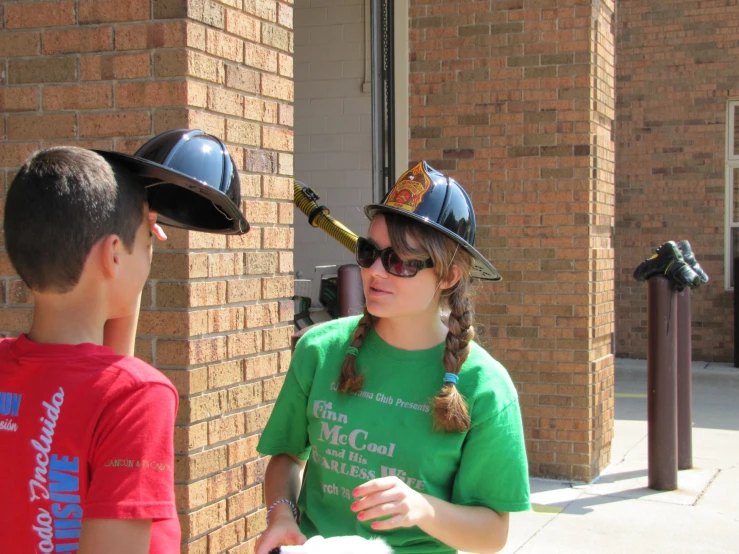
x=668, y=261
x=689, y=257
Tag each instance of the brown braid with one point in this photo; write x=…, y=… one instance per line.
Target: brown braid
x=450, y=409
x=350, y=381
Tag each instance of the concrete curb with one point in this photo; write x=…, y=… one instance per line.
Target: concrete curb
x=700, y=369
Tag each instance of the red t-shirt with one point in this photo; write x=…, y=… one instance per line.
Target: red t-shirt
x=84, y=433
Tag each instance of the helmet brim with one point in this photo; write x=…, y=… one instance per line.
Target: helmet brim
x=179, y=198
x=481, y=268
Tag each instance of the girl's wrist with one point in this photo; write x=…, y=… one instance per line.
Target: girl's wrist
x=427, y=512
x=283, y=508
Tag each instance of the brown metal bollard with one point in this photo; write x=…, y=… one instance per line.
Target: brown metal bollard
x=736, y=311
x=351, y=293
x=684, y=382
x=662, y=384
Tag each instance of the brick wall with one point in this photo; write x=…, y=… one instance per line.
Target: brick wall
x=216, y=315
x=333, y=133
x=601, y=230
x=676, y=71
x=514, y=99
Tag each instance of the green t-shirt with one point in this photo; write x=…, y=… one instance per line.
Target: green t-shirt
x=386, y=429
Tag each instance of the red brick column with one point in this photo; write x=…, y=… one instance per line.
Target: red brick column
x=216, y=313
x=515, y=100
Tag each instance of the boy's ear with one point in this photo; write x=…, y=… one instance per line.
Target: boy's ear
x=109, y=255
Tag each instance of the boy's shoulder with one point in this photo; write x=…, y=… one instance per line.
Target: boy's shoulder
x=130, y=372
x=140, y=372
x=111, y=368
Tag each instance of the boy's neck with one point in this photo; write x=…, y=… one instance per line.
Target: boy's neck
x=66, y=319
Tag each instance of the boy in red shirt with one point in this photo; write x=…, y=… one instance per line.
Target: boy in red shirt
x=86, y=431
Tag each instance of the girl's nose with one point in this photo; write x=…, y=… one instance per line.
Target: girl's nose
x=377, y=268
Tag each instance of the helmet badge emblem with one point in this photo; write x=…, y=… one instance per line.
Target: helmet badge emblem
x=410, y=189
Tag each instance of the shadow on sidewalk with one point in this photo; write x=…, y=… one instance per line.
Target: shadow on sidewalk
x=585, y=503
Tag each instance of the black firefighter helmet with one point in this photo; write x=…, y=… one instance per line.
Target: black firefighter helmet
x=191, y=181
x=430, y=197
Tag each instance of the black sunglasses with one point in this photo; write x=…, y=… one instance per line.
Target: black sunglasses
x=367, y=253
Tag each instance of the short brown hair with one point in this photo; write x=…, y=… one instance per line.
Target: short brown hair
x=62, y=202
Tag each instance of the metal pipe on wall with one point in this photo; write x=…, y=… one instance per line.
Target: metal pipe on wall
x=390, y=100
x=378, y=146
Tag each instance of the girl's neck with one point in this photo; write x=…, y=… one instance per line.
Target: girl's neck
x=411, y=333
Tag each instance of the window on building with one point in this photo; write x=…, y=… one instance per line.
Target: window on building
x=732, y=192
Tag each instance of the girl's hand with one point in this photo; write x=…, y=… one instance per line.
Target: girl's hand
x=283, y=531
x=389, y=496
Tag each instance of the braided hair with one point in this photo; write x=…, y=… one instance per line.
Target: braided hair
x=350, y=381
x=450, y=409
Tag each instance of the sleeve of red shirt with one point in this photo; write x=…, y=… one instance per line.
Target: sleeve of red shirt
x=132, y=462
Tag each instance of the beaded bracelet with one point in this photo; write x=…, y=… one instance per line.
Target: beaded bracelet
x=280, y=501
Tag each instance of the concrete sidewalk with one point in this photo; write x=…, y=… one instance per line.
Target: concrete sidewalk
x=618, y=513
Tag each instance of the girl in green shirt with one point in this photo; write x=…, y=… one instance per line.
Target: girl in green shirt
x=405, y=427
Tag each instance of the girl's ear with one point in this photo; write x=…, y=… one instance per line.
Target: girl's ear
x=455, y=274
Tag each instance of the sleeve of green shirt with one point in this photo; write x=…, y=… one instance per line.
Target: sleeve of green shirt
x=286, y=431
x=493, y=469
